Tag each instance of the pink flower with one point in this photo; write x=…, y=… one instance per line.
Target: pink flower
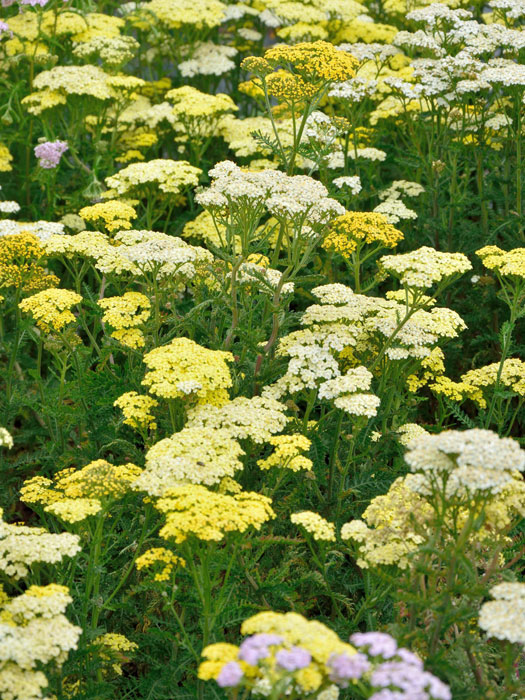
x=49, y=153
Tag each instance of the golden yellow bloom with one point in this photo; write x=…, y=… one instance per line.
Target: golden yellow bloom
x=183, y=368
x=75, y=494
x=348, y=231
x=20, y=263
x=113, y=214
x=288, y=453
x=51, y=308
x=125, y=313
x=137, y=410
x=5, y=159
x=111, y=648
x=511, y=263
x=162, y=556
x=194, y=510
x=318, y=61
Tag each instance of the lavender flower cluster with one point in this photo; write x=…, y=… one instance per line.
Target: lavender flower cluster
x=50, y=153
x=390, y=672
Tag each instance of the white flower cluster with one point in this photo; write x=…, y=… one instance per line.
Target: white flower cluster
x=344, y=320
x=298, y=197
x=347, y=392
x=22, y=546
x=6, y=439
x=9, y=207
x=353, y=182
x=424, y=267
x=208, y=58
x=265, y=279
x=354, y=90
x=34, y=631
x=151, y=252
x=41, y=229
x=504, y=617
x=464, y=463
x=395, y=211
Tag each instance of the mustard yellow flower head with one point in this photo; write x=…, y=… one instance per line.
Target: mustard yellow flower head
x=161, y=560
x=21, y=257
x=193, y=510
x=353, y=228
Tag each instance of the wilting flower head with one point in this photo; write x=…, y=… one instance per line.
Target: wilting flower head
x=49, y=153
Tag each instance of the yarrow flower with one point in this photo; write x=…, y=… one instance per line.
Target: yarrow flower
x=504, y=617
x=50, y=153
x=73, y=495
x=51, y=308
x=315, y=525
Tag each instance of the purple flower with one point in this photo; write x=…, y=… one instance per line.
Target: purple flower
x=388, y=695
x=49, y=153
x=378, y=643
x=409, y=658
x=255, y=648
x=293, y=659
x=4, y=29
x=411, y=679
x=230, y=675
x=344, y=667
x=33, y=2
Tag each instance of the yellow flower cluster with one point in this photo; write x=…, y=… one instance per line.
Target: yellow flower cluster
x=320, y=529
x=511, y=263
x=193, y=456
x=475, y=383
x=200, y=14
x=169, y=176
x=111, y=647
x=207, y=229
x=20, y=263
x=137, y=410
x=159, y=555
x=73, y=495
x=5, y=159
x=386, y=535
x=183, y=369
x=51, y=308
x=113, y=214
x=349, y=231
x=282, y=631
x=396, y=524
x=288, y=453
x=305, y=69
x=193, y=510
x=124, y=314
x=197, y=113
